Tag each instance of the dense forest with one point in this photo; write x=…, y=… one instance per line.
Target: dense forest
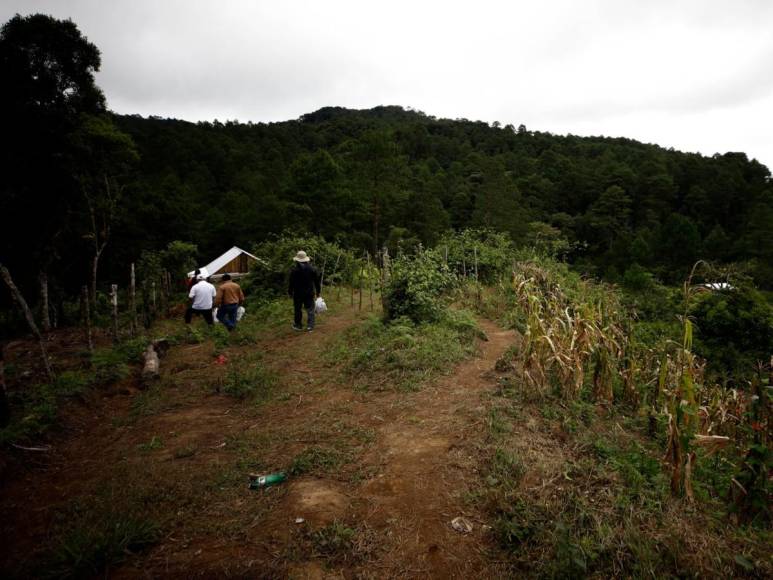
x=84, y=188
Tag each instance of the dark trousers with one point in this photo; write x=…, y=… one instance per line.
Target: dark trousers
x=207, y=314
x=306, y=302
x=227, y=315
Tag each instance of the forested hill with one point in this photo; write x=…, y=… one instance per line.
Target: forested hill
x=386, y=175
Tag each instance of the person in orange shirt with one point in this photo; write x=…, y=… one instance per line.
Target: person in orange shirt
x=229, y=298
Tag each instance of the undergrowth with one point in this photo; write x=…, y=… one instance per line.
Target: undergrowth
x=403, y=354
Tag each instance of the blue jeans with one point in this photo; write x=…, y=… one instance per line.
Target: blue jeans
x=227, y=315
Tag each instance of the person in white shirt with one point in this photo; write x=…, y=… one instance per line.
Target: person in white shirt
x=202, y=297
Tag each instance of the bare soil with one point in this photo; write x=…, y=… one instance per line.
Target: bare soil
x=395, y=468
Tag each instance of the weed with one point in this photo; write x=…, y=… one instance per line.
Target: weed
x=154, y=444
x=506, y=469
x=87, y=550
x=315, y=459
x=109, y=365
x=253, y=381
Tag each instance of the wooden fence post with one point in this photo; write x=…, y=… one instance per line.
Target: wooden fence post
x=86, y=316
x=17, y=296
x=114, y=304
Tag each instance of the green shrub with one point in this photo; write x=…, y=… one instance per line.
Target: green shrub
x=734, y=331
x=416, y=287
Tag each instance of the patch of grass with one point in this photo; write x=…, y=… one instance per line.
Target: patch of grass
x=333, y=540
x=88, y=550
x=317, y=459
x=35, y=409
x=401, y=353
x=498, y=424
x=155, y=443
x=248, y=380
x=518, y=523
x=109, y=366
x=506, y=469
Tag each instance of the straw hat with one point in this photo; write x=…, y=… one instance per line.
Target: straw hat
x=301, y=257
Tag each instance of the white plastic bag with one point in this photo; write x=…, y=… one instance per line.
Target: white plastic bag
x=320, y=306
x=240, y=313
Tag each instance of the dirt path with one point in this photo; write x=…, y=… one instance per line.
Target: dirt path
x=410, y=460
x=423, y=462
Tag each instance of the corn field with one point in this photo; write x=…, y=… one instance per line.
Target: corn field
x=577, y=342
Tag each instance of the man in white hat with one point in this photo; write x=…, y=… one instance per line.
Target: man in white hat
x=304, y=287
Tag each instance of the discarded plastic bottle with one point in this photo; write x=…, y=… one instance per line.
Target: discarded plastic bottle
x=267, y=480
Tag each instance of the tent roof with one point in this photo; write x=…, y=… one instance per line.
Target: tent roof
x=217, y=263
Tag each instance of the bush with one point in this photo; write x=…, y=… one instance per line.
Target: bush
x=734, y=330
x=416, y=286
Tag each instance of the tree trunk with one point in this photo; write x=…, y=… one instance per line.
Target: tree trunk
x=17, y=296
x=133, y=302
x=370, y=285
x=86, y=317
x=360, y=288
x=114, y=308
x=45, y=321
x=94, y=266
x=5, y=408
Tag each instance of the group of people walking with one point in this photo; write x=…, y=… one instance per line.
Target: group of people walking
x=305, y=285
x=227, y=298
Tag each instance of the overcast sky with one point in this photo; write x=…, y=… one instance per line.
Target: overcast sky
x=696, y=75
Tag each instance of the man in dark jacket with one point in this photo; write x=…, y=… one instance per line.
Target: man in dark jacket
x=304, y=287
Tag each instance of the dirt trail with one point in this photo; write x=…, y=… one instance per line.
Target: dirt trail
x=424, y=460
x=400, y=491
x=427, y=457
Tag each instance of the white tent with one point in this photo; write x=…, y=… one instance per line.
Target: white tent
x=234, y=262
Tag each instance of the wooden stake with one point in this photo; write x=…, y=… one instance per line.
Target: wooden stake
x=17, y=296
x=86, y=317
x=133, y=326
x=45, y=321
x=114, y=304
x=153, y=296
